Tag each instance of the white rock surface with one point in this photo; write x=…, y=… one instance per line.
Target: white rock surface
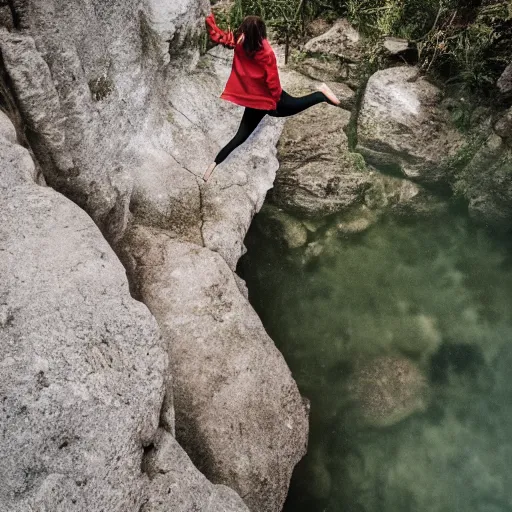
x=395, y=45
x=82, y=362
x=402, y=126
x=126, y=132
x=83, y=366
x=238, y=412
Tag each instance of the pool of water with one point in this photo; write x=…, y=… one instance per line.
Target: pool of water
x=401, y=338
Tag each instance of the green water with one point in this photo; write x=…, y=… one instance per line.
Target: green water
x=401, y=338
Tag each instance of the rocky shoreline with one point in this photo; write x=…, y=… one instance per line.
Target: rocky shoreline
x=395, y=146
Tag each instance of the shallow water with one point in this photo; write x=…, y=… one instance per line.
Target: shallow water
x=431, y=296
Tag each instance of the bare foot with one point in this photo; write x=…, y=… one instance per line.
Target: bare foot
x=209, y=172
x=326, y=90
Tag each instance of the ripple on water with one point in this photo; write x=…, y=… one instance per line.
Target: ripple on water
x=435, y=298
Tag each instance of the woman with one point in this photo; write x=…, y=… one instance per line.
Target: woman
x=254, y=82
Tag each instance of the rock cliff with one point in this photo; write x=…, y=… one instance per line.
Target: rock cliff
x=122, y=116
x=84, y=366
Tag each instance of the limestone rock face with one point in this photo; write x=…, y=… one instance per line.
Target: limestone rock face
x=123, y=117
x=83, y=365
x=402, y=126
x=387, y=390
x=88, y=79
x=238, y=411
x=408, y=465
x=318, y=175
x=177, y=486
x=84, y=369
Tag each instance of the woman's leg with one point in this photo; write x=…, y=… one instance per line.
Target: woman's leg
x=290, y=106
x=250, y=121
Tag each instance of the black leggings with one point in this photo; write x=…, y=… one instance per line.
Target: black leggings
x=287, y=106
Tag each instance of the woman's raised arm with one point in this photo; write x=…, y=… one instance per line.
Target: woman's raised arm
x=219, y=36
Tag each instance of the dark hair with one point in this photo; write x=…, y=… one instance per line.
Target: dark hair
x=253, y=30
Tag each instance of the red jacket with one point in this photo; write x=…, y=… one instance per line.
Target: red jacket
x=254, y=81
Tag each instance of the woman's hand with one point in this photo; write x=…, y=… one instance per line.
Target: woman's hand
x=227, y=39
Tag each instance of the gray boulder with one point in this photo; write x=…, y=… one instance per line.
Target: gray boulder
x=83, y=367
x=505, y=80
x=124, y=118
x=403, y=128
x=486, y=182
x=387, y=390
x=395, y=45
x=239, y=414
x=177, y=486
x=335, y=55
x=342, y=40
x=82, y=362
x=503, y=126
x=318, y=176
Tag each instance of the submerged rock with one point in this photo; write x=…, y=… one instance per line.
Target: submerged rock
x=386, y=391
x=82, y=362
x=457, y=460
x=417, y=336
x=355, y=221
x=400, y=109
x=278, y=225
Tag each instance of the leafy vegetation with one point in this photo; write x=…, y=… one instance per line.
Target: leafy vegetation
x=463, y=43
